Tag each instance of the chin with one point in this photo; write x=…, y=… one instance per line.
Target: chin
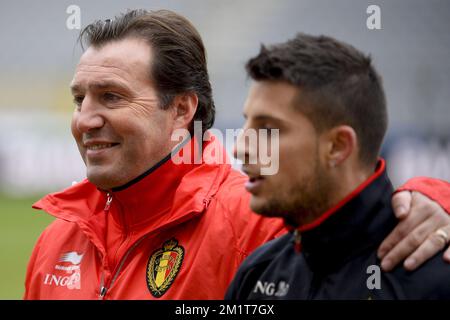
x=99, y=183
x=100, y=180
x=263, y=207
x=256, y=204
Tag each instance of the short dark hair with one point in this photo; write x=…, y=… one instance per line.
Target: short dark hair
x=338, y=85
x=179, y=63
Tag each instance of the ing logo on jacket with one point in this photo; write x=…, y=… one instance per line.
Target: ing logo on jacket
x=68, y=272
x=163, y=266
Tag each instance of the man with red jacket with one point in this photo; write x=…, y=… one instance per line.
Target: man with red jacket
x=142, y=226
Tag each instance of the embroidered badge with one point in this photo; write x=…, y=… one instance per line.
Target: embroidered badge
x=163, y=266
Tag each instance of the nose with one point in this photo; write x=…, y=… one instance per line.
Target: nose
x=88, y=117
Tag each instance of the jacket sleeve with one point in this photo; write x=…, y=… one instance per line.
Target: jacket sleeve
x=30, y=292
x=435, y=189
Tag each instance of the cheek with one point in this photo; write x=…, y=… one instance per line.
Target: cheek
x=73, y=127
x=150, y=121
x=297, y=160
x=144, y=139
x=291, y=155
x=145, y=135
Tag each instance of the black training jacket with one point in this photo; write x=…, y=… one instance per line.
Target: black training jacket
x=337, y=259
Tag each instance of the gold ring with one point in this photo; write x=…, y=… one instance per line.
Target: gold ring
x=443, y=235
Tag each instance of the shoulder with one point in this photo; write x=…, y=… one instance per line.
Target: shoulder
x=430, y=281
x=232, y=199
x=60, y=227
x=232, y=190
x=250, y=229
x=57, y=233
x=254, y=266
x=267, y=252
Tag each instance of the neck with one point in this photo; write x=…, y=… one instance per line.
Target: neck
x=330, y=191
x=359, y=221
x=346, y=179
x=150, y=195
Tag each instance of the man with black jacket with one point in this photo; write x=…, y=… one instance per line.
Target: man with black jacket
x=328, y=104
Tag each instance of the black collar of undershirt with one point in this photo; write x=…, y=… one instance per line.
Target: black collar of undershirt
x=152, y=169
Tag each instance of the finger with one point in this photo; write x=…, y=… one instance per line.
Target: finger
x=407, y=245
x=401, y=231
x=401, y=202
x=447, y=255
x=432, y=245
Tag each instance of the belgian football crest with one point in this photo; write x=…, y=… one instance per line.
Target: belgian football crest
x=163, y=266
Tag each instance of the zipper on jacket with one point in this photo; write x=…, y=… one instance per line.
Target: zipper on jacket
x=109, y=199
x=104, y=289
x=102, y=292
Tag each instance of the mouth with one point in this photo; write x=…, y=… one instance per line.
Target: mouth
x=97, y=149
x=254, y=183
x=100, y=146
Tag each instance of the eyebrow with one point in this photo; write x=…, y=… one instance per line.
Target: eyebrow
x=264, y=117
x=99, y=85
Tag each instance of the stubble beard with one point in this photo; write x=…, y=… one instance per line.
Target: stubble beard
x=303, y=202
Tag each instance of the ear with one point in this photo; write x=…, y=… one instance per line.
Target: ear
x=183, y=109
x=340, y=144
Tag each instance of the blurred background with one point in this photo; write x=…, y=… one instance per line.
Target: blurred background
x=39, y=53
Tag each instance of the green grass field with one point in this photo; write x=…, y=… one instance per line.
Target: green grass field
x=20, y=226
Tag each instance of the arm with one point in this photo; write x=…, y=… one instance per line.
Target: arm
x=423, y=206
x=30, y=291
x=435, y=189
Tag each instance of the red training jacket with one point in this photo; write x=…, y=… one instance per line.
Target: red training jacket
x=176, y=232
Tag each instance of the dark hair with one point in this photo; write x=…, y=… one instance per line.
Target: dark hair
x=179, y=63
x=338, y=85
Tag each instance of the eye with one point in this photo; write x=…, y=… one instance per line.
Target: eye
x=270, y=130
x=267, y=128
x=78, y=100
x=111, y=97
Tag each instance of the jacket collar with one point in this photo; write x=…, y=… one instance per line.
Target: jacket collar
x=147, y=200
x=164, y=195
x=359, y=222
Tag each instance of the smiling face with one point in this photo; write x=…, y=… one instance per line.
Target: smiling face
x=118, y=125
x=300, y=188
